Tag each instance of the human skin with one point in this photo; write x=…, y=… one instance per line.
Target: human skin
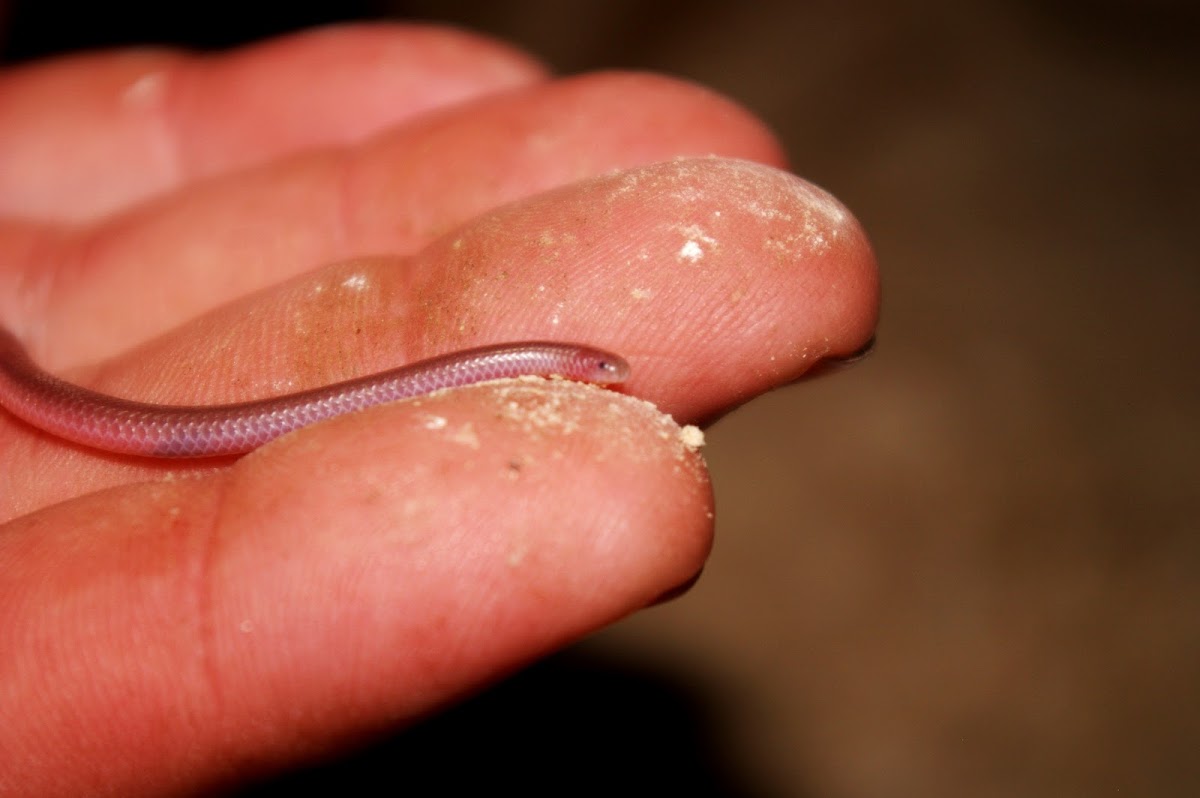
x=205, y=230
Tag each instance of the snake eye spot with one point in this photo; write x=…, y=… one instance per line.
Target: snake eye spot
x=609, y=369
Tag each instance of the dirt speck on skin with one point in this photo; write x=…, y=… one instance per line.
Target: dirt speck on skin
x=434, y=422
x=561, y=407
x=811, y=217
x=465, y=435
x=546, y=408
x=692, y=437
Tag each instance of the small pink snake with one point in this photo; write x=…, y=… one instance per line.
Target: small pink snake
x=127, y=427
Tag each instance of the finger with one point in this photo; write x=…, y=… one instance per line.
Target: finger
x=192, y=632
x=141, y=275
x=718, y=280
x=84, y=136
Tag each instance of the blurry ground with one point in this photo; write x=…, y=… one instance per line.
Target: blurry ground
x=969, y=565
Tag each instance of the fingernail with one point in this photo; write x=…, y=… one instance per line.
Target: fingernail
x=676, y=591
x=831, y=364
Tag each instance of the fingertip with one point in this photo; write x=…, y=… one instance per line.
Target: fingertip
x=439, y=543
x=717, y=278
x=595, y=477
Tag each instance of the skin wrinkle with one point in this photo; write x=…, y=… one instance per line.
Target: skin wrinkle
x=313, y=312
x=345, y=211
x=215, y=699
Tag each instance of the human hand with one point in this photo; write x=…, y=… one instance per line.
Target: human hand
x=173, y=626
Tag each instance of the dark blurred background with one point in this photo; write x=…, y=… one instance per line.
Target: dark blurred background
x=969, y=565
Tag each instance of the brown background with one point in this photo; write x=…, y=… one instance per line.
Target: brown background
x=969, y=565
